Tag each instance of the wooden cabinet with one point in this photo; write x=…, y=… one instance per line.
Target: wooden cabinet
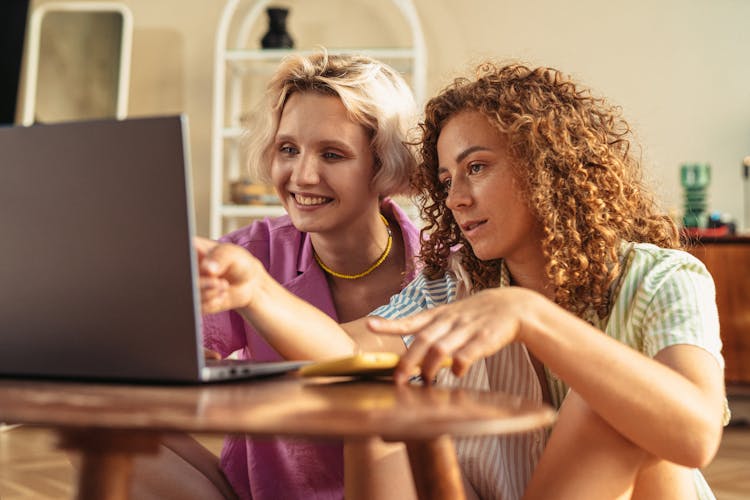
x=728, y=261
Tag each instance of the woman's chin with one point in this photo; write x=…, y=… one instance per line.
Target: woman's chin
x=483, y=253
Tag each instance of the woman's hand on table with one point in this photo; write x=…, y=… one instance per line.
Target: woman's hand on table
x=466, y=331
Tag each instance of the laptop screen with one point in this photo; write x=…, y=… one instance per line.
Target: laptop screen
x=96, y=257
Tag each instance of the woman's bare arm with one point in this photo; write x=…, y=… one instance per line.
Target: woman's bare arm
x=671, y=406
x=232, y=278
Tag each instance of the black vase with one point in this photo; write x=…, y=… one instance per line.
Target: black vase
x=277, y=37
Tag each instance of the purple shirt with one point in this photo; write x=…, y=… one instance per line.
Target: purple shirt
x=275, y=468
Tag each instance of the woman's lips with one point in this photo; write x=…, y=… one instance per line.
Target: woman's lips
x=471, y=227
x=310, y=200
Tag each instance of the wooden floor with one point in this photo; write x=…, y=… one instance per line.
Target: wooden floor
x=31, y=468
x=729, y=473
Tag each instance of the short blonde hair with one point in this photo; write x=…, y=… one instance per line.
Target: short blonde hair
x=375, y=96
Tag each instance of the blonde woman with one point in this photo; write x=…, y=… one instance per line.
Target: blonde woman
x=331, y=136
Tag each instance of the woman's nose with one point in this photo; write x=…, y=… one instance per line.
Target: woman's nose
x=459, y=195
x=305, y=171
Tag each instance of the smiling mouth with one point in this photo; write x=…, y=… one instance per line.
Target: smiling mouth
x=310, y=201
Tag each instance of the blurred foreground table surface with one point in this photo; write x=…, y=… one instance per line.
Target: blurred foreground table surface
x=110, y=423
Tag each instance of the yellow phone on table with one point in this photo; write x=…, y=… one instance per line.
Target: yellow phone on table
x=373, y=364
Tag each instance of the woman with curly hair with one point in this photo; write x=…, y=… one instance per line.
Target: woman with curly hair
x=550, y=273
x=538, y=215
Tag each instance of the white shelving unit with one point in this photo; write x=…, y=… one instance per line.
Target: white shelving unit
x=234, y=60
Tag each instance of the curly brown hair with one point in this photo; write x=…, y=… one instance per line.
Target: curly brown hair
x=577, y=173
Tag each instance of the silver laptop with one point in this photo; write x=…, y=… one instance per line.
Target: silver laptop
x=97, y=269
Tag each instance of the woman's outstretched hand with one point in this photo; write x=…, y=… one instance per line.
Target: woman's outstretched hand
x=466, y=331
x=226, y=275
x=209, y=354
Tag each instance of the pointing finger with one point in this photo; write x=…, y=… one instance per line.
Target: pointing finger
x=203, y=245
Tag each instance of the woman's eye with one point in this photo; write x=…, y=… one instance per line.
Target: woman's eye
x=446, y=183
x=328, y=155
x=288, y=150
x=475, y=168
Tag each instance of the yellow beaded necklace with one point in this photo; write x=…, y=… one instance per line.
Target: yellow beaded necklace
x=370, y=269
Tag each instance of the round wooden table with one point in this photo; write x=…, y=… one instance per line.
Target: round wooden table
x=110, y=423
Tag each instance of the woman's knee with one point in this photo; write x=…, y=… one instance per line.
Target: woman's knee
x=587, y=430
x=664, y=480
x=182, y=469
x=585, y=457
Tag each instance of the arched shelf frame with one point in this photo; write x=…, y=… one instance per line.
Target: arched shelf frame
x=224, y=98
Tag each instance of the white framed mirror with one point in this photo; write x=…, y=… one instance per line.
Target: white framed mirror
x=77, y=62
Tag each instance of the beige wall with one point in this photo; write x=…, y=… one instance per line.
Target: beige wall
x=678, y=68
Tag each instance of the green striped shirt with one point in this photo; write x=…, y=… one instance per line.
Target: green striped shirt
x=664, y=297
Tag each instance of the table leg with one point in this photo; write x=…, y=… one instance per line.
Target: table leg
x=374, y=469
x=107, y=460
x=435, y=468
